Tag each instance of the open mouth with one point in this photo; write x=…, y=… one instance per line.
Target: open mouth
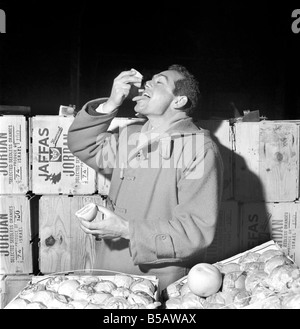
x=145, y=94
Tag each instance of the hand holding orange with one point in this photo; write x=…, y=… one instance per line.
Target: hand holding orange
x=88, y=212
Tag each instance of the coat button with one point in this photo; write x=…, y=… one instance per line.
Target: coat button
x=163, y=237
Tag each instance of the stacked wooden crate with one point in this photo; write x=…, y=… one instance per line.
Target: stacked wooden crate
x=16, y=230
x=267, y=184
x=42, y=184
x=265, y=201
x=64, y=184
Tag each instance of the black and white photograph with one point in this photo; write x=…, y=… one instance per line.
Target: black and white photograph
x=149, y=158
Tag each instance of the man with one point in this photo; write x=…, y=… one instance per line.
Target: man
x=166, y=182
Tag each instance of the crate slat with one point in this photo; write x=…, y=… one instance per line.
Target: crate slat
x=63, y=244
x=266, y=161
x=279, y=160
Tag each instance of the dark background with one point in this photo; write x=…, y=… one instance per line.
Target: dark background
x=59, y=53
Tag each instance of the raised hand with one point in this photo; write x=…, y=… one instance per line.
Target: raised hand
x=121, y=88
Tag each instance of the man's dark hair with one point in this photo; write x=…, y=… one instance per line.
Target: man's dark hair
x=188, y=86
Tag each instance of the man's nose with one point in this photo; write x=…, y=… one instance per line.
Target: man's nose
x=148, y=84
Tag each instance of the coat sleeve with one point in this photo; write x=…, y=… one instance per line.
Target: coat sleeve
x=184, y=237
x=88, y=138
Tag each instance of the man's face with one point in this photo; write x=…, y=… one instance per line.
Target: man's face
x=158, y=94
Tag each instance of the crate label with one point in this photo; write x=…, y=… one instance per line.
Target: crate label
x=277, y=221
x=15, y=248
x=255, y=228
x=54, y=168
x=13, y=155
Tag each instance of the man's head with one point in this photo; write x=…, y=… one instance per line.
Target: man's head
x=171, y=90
x=187, y=86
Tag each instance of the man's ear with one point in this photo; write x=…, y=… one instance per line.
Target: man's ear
x=180, y=102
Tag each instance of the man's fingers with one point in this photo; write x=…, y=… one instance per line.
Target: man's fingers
x=98, y=233
x=124, y=73
x=128, y=77
x=91, y=225
x=132, y=79
x=86, y=230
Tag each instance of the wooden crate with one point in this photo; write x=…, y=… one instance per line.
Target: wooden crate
x=82, y=278
x=10, y=286
x=63, y=244
x=261, y=222
x=55, y=170
x=104, y=176
x=221, y=133
x=226, y=241
x=266, y=161
x=14, y=172
x=15, y=233
x=269, y=245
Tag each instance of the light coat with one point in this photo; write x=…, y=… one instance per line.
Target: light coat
x=167, y=184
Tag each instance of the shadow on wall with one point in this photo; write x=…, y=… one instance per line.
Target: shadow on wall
x=243, y=222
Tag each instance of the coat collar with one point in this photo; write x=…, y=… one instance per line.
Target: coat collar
x=179, y=123
x=176, y=128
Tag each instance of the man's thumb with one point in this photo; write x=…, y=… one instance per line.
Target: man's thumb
x=103, y=210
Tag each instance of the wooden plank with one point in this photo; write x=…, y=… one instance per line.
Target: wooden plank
x=266, y=161
x=55, y=170
x=63, y=244
x=15, y=231
x=279, y=160
x=14, y=178
x=222, y=135
x=261, y=222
